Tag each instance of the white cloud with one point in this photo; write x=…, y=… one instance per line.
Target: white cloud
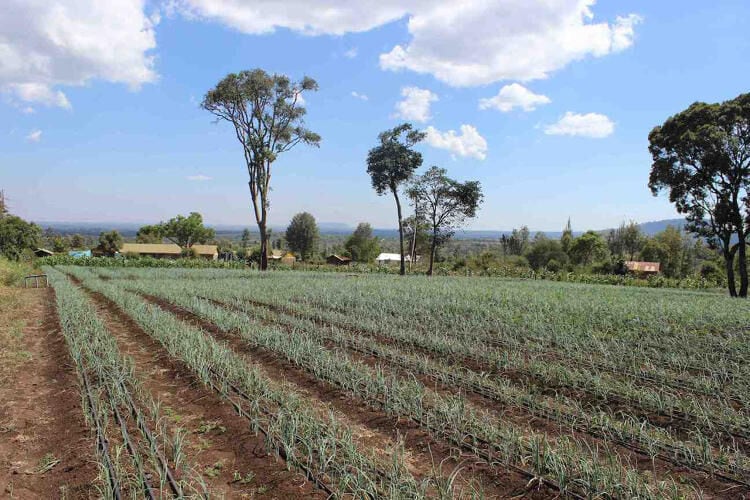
x=585, y=125
x=416, y=104
x=514, y=96
x=45, y=45
x=359, y=96
x=479, y=43
x=469, y=143
x=484, y=42
x=199, y=178
x=351, y=53
x=34, y=136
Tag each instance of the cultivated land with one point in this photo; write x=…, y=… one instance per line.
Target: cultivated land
x=296, y=385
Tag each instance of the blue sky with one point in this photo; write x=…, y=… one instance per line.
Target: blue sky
x=108, y=128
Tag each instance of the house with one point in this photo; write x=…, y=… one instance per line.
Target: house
x=338, y=260
x=637, y=267
x=168, y=250
x=43, y=252
x=385, y=258
x=288, y=258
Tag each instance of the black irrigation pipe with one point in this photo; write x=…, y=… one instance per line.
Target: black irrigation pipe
x=148, y=490
x=102, y=442
x=163, y=463
x=319, y=483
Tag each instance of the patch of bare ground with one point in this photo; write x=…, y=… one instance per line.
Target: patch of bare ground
x=46, y=450
x=423, y=451
x=231, y=458
x=715, y=487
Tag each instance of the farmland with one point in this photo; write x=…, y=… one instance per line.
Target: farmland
x=271, y=385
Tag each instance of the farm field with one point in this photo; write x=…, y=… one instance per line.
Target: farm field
x=276, y=385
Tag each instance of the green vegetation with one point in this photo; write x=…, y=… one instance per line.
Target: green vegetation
x=302, y=235
x=480, y=364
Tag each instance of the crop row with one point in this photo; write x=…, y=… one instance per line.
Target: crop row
x=113, y=398
x=565, y=460
x=323, y=447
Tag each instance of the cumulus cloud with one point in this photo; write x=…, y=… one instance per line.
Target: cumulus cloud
x=199, y=178
x=356, y=94
x=484, y=42
x=46, y=45
x=593, y=125
x=416, y=104
x=479, y=43
x=468, y=143
x=514, y=96
x=34, y=136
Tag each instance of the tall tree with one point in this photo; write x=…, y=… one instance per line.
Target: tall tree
x=362, y=245
x=588, y=248
x=3, y=205
x=150, y=234
x=187, y=231
x=267, y=115
x=392, y=163
x=110, y=242
x=566, y=240
x=17, y=235
x=516, y=243
x=77, y=241
x=626, y=241
x=702, y=157
x=245, y=240
x=302, y=235
x=447, y=205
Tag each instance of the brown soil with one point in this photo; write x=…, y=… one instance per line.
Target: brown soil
x=231, y=458
x=424, y=450
x=41, y=419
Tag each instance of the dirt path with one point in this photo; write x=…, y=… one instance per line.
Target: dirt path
x=220, y=445
x=41, y=420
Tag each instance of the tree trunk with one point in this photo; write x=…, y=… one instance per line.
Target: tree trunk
x=263, y=247
x=729, y=262
x=742, y=256
x=402, y=271
x=433, y=248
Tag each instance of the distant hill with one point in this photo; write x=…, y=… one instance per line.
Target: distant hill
x=129, y=229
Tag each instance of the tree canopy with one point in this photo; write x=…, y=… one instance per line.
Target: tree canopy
x=302, y=235
x=447, y=204
x=110, y=242
x=267, y=114
x=186, y=231
x=362, y=245
x=393, y=162
x=17, y=235
x=588, y=248
x=701, y=156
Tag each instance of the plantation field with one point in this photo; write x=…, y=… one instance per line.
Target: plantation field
x=292, y=385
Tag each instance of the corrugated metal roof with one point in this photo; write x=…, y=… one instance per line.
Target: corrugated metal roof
x=642, y=267
x=391, y=257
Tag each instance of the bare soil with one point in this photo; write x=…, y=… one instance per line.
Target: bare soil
x=46, y=450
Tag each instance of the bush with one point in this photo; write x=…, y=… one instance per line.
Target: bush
x=65, y=260
x=12, y=272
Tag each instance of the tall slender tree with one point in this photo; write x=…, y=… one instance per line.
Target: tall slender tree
x=391, y=164
x=266, y=112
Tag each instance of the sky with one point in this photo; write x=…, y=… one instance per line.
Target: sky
x=547, y=104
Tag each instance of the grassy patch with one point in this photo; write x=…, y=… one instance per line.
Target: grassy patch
x=13, y=319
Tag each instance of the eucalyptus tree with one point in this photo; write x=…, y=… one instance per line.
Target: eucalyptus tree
x=446, y=203
x=392, y=163
x=701, y=156
x=267, y=114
